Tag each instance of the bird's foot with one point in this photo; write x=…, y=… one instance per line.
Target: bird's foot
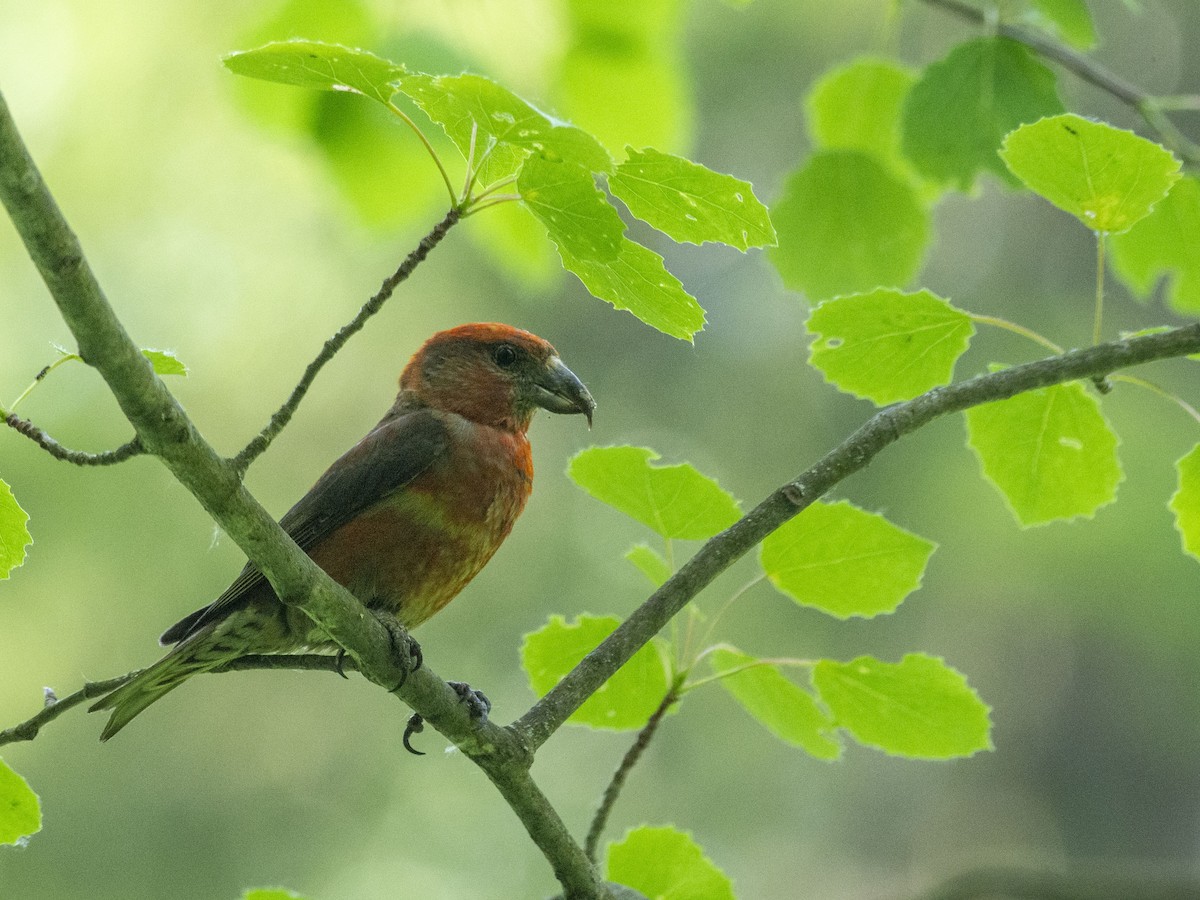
x=478, y=707
x=404, y=645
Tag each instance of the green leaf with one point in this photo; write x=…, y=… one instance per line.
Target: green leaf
x=787, y=711
x=622, y=76
x=1186, y=502
x=845, y=561
x=675, y=501
x=1164, y=244
x=271, y=894
x=14, y=533
x=959, y=110
x=626, y=700
x=505, y=128
x=666, y=864
x=592, y=244
x=20, y=811
x=165, y=362
x=689, y=202
x=650, y=563
x=1069, y=19
x=1049, y=452
x=919, y=707
x=1106, y=177
x=846, y=224
x=857, y=107
x=313, y=64
x=887, y=345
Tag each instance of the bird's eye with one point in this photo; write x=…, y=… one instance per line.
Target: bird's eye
x=504, y=355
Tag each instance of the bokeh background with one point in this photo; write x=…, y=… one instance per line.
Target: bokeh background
x=226, y=224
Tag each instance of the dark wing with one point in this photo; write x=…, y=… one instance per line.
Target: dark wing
x=397, y=451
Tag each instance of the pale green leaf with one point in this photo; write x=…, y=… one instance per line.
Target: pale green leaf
x=846, y=223
x=626, y=701
x=650, y=563
x=919, y=707
x=857, y=107
x=313, y=64
x=165, y=362
x=1070, y=19
x=845, y=561
x=689, y=202
x=622, y=77
x=1186, y=502
x=20, y=811
x=887, y=345
x=786, y=710
x=591, y=243
x=1106, y=177
x=14, y=531
x=675, y=501
x=961, y=108
x=1049, y=452
x=666, y=864
x=1165, y=244
x=504, y=128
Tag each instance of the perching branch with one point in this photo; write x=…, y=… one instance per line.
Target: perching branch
x=885, y=427
x=1086, y=68
x=284, y=414
x=164, y=430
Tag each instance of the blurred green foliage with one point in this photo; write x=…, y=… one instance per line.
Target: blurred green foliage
x=241, y=248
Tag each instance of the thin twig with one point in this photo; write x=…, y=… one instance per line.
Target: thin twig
x=77, y=457
x=284, y=414
x=613, y=791
x=54, y=708
x=1086, y=68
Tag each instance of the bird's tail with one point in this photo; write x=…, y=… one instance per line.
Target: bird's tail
x=161, y=678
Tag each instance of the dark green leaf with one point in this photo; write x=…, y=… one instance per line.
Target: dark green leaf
x=961, y=108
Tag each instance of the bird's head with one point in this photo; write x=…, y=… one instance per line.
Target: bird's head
x=494, y=375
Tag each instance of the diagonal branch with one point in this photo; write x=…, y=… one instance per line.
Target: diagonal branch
x=164, y=430
x=885, y=427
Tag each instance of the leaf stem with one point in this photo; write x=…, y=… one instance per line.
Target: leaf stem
x=41, y=376
x=1160, y=391
x=1016, y=329
x=437, y=161
x=1098, y=317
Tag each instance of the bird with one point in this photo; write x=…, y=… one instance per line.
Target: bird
x=405, y=518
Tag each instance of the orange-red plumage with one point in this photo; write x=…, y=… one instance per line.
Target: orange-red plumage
x=406, y=517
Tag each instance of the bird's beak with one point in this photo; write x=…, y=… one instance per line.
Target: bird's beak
x=558, y=390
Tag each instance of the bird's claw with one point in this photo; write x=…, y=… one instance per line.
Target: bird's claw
x=478, y=707
x=416, y=724
x=404, y=645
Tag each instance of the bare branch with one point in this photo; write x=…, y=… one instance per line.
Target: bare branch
x=632, y=755
x=284, y=414
x=885, y=427
x=77, y=457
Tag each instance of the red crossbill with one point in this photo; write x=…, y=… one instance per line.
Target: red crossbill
x=406, y=517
